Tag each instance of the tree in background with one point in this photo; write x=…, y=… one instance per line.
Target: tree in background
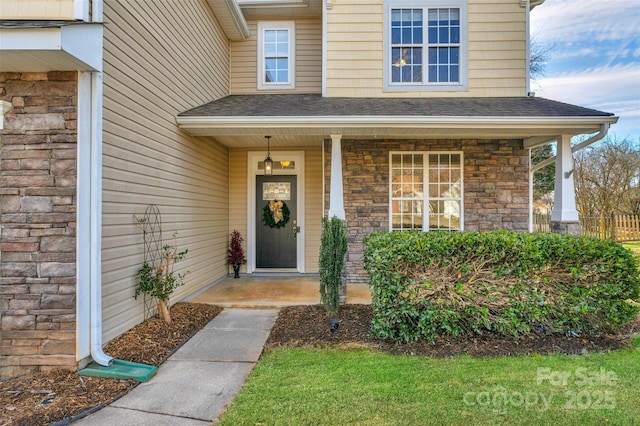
x=543, y=179
x=606, y=178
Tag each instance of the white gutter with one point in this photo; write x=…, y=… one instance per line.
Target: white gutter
x=604, y=129
x=238, y=18
x=230, y=122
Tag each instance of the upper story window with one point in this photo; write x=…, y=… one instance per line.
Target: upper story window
x=276, y=55
x=425, y=45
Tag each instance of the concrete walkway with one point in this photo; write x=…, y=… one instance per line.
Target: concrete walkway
x=193, y=387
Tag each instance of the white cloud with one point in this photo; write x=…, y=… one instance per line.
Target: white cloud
x=594, y=62
x=583, y=20
x=610, y=89
x=592, y=87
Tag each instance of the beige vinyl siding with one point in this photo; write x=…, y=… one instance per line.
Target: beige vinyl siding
x=308, y=79
x=496, y=51
x=313, y=208
x=36, y=9
x=313, y=199
x=152, y=71
x=238, y=193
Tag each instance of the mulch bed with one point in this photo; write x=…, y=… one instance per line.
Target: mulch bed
x=310, y=326
x=57, y=396
x=53, y=396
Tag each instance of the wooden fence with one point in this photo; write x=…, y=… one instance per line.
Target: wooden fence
x=615, y=227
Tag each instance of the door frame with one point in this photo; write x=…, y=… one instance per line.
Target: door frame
x=253, y=158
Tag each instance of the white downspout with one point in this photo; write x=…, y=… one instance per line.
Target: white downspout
x=95, y=248
x=327, y=5
x=96, y=222
x=528, y=47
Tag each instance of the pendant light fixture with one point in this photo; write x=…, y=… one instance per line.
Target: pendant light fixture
x=268, y=162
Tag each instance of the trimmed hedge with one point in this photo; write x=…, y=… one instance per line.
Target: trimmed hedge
x=437, y=283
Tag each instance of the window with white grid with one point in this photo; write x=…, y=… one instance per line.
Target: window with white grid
x=425, y=190
x=276, y=55
x=425, y=45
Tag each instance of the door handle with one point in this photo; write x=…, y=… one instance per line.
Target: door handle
x=296, y=229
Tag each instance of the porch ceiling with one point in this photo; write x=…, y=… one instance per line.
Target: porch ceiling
x=305, y=120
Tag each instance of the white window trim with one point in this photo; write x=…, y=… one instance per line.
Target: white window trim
x=277, y=25
x=425, y=4
x=425, y=179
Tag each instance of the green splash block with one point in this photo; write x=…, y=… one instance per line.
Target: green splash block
x=120, y=370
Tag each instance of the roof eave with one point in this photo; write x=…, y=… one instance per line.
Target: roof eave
x=458, y=126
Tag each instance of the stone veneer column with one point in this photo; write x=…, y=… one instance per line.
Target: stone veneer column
x=38, y=212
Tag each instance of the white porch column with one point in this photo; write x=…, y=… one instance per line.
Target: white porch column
x=564, y=216
x=336, y=194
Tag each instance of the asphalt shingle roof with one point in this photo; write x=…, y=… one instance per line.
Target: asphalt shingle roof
x=312, y=105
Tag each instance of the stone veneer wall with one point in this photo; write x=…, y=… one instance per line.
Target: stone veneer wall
x=38, y=211
x=496, y=187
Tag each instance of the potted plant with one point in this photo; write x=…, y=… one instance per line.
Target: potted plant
x=160, y=281
x=236, y=255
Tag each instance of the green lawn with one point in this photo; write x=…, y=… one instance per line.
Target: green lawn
x=296, y=386
x=634, y=246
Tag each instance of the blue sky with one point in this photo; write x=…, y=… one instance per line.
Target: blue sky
x=595, y=57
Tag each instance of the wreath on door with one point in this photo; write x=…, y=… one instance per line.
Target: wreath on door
x=275, y=214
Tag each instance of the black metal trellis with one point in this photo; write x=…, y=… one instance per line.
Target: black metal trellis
x=151, y=226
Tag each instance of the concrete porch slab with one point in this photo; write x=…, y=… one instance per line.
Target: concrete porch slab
x=273, y=292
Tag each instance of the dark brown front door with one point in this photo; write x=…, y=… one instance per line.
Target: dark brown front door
x=276, y=247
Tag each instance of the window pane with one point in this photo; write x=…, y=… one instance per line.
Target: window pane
x=282, y=36
x=455, y=34
x=282, y=49
x=395, y=160
x=433, y=17
x=443, y=55
x=443, y=75
x=417, y=18
x=454, y=55
x=443, y=35
x=454, y=74
x=406, y=36
x=417, y=35
x=270, y=36
x=443, y=16
x=433, y=191
x=433, y=35
x=454, y=16
x=433, y=56
x=395, y=35
x=395, y=17
x=270, y=49
x=416, y=57
x=282, y=63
